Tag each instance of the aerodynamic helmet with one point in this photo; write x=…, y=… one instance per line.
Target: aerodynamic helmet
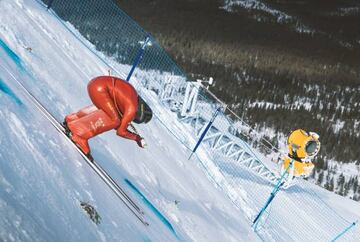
x=144, y=113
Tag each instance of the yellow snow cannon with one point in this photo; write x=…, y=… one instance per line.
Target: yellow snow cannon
x=303, y=146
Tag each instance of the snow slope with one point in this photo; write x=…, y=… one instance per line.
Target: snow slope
x=43, y=179
x=281, y=17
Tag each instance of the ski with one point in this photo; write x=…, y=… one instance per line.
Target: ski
x=109, y=181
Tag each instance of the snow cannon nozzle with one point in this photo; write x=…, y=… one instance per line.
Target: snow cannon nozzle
x=303, y=145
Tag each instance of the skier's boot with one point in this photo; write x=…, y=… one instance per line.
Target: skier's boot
x=78, y=141
x=67, y=130
x=83, y=145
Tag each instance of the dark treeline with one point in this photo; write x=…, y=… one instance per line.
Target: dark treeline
x=312, y=79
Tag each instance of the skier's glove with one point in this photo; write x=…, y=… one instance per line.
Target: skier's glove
x=141, y=142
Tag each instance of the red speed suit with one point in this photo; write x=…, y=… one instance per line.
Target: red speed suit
x=115, y=107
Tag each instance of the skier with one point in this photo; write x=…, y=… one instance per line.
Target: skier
x=303, y=147
x=116, y=105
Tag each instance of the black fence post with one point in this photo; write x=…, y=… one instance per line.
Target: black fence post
x=138, y=57
x=202, y=136
x=49, y=4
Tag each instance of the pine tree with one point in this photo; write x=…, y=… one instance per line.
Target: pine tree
x=340, y=185
x=355, y=185
x=331, y=185
x=320, y=178
x=327, y=183
x=346, y=188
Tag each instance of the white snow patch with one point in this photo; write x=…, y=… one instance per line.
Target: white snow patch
x=338, y=125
